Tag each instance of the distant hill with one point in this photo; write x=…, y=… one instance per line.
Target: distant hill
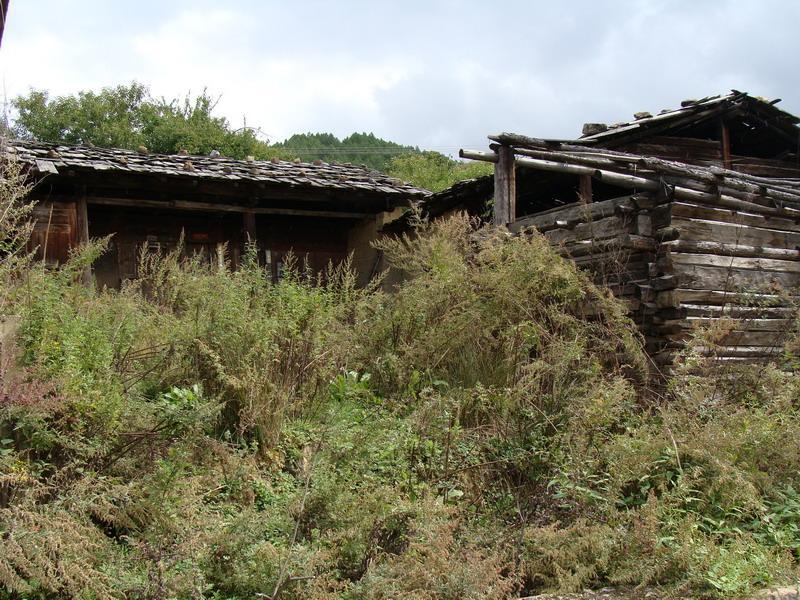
x=357, y=148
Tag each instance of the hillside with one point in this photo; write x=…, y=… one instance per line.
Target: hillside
x=357, y=148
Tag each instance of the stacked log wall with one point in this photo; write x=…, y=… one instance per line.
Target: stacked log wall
x=714, y=262
x=612, y=239
x=680, y=264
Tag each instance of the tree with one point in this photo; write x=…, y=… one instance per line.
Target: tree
x=435, y=171
x=110, y=118
x=127, y=116
x=357, y=148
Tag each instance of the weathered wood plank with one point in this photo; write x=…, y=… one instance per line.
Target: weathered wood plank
x=706, y=247
x=750, y=324
x=722, y=297
x=736, y=280
x=573, y=213
x=674, y=260
x=609, y=227
x=728, y=233
x=628, y=242
x=737, y=338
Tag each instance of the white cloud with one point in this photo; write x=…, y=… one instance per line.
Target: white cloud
x=436, y=74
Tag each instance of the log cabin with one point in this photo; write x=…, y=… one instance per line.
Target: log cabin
x=320, y=212
x=688, y=215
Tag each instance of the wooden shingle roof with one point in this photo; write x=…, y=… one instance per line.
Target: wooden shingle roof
x=47, y=158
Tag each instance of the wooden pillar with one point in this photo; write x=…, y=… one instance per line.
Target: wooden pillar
x=81, y=222
x=249, y=229
x=725, y=142
x=82, y=232
x=585, y=189
x=505, y=187
x=249, y=218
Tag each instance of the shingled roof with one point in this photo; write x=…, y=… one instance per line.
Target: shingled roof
x=690, y=112
x=47, y=158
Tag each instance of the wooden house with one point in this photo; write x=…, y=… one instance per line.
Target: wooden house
x=321, y=212
x=689, y=215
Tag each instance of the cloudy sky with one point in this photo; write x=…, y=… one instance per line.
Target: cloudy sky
x=438, y=74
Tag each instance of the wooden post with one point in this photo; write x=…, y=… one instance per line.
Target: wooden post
x=249, y=230
x=82, y=232
x=585, y=189
x=249, y=218
x=725, y=142
x=505, y=187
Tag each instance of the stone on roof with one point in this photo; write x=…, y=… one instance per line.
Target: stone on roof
x=51, y=158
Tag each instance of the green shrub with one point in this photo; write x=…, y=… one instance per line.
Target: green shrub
x=486, y=429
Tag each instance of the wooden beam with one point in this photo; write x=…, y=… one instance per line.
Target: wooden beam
x=478, y=155
x=640, y=183
x=606, y=158
x=505, y=188
x=230, y=208
x=103, y=183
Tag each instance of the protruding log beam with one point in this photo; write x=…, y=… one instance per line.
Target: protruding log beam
x=552, y=148
x=478, y=155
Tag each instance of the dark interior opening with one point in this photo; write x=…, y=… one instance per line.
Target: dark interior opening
x=750, y=135
x=541, y=190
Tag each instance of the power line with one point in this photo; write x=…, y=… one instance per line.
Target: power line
x=362, y=150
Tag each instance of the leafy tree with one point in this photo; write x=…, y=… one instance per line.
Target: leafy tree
x=110, y=118
x=435, y=171
x=127, y=116
x=357, y=148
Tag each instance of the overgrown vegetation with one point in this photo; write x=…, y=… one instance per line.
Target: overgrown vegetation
x=434, y=171
x=487, y=430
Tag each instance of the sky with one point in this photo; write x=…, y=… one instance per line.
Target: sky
x=438, y=74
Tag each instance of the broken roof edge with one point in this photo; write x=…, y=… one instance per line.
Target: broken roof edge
x=690, y=108
x=711, y=104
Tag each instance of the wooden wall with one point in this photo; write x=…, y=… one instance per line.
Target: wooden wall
x=55, y=231
x=679, y=265
x=714, y=262
x=314, y=241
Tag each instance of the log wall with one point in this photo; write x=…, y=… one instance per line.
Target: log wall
x=714, y=262
x=680, y=264
x=55, y=231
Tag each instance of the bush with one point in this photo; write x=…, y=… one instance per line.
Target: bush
x=487, y=429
